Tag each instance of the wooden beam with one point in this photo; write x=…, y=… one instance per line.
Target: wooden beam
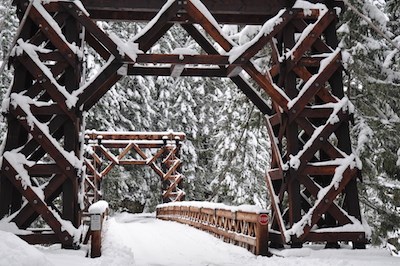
x=226, y=11
x=134, y=70
x=326, y=202
x=38, y=204
x=242, y=84
x=187, y=59
x=46, y=82
x=147, y=41
x=159, y=27
x=47, y=27
x=27, y=214
x=312, y=88
x=36, y=131
x=135, y=135
x=41, y=239
x=100, y=85
x=91, y=27
x=30, y=148
x=208, y=26
x=272, y=90
x=315, y=33
x=256, y=46
x=322, y=236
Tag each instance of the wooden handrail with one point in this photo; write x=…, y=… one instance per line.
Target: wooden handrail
x=246, y=227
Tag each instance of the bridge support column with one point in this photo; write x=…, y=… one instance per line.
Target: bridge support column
x=40, y=159
x=313, y=167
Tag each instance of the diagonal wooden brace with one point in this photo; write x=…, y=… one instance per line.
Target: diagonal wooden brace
x=52, y=31
x=48, y=143
x=47, y=82
x=37, y=203
x=324, y=202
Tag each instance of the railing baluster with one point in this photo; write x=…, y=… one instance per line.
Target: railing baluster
x=245, y=228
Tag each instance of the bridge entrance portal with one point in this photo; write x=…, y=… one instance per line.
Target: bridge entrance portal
x=312, y=182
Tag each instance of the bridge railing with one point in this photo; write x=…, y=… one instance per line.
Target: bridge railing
x=245, y=226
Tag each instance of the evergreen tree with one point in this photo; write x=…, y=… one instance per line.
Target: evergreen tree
x=372, y=65
x=8, y=28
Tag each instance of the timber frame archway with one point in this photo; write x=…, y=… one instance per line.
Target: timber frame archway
x=158, y=150
x=313, y=177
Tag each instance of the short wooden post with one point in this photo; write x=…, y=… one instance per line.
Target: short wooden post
x=262, y=234
x=95, y=228
x=98, y=212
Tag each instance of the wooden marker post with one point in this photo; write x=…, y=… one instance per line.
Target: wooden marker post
x=98, y=212
x=96, y=221
x=262, y=234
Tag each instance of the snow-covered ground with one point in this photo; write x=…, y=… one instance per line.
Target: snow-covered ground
x=143, y=240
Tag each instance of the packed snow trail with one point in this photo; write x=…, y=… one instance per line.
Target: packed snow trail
x=142, y=240
x=157, y=242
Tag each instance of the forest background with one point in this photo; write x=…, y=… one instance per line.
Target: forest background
x=227, y=150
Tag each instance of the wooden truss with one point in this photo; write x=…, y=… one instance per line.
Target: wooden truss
x=158, y=150
x=313, y=180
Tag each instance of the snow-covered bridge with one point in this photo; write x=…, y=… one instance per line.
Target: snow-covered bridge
x=300, y=92
x=143, y=240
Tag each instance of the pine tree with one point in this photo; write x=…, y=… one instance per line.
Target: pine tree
x=372, y=65
x=8, y=28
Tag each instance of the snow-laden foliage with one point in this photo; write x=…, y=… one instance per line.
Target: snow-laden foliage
x=8, y=27
x=373, y=83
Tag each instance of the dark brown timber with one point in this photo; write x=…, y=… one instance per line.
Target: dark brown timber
x=300, y=91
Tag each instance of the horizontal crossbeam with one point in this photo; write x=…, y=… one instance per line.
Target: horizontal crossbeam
x=95, y=135
x=225, y=11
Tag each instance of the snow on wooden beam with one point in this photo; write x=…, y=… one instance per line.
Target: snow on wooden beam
x=176, y=70
x=51, y=29
x=18, y=176
x=27, y=215
x=104, y=135
x=158, y=25
x=272, y=27
x=100, y=146
x=225, y=11
x=240, y=81
x=201, y=15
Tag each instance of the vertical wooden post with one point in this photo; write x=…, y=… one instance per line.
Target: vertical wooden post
x=96, y=224
x=98, y=212
x=10, y=198
x=262, y=234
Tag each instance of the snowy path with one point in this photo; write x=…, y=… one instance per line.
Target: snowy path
x=143, y=240
x=156, y=242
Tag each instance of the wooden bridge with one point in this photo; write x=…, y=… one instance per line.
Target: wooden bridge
x=104, y=150
x=312, y=180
